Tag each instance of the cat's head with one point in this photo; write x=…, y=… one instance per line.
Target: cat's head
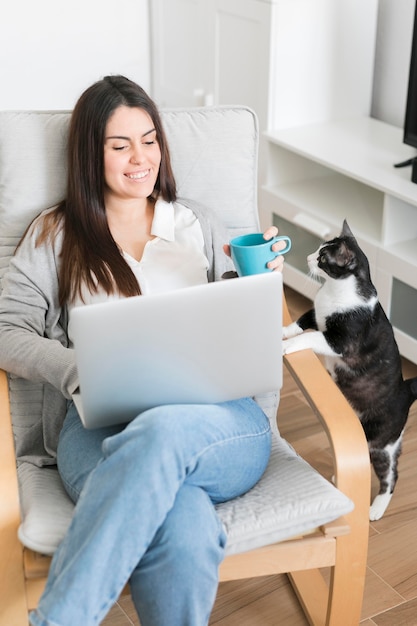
x=340, y=258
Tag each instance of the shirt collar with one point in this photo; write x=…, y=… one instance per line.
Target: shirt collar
x=163, y=223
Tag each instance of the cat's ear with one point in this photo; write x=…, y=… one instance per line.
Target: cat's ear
x=346, y=232
x=345, y=257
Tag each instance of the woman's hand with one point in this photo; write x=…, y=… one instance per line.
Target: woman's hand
x=276, y=264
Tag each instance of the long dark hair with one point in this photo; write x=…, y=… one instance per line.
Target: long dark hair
x=90, y=256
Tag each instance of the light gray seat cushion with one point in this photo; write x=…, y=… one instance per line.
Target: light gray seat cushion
x=290, y=499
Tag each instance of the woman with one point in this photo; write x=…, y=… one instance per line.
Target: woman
x=145, y=492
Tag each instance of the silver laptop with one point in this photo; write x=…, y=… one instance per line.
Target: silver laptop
x=204, y=344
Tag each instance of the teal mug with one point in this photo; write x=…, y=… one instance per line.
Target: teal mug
x=250, y=253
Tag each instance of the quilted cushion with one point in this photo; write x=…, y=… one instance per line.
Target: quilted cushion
x=46, y=508
x=290, y=499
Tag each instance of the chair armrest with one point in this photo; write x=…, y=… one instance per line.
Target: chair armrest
x=10, y=508
x=8, y=472
x=12, y=588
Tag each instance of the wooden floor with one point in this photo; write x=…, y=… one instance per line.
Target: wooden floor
x=391, y=584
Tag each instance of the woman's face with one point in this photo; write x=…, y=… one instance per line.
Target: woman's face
x=132, y=155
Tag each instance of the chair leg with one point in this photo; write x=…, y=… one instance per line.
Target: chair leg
x=347, y=584
x=312, y=593
x=340, y=602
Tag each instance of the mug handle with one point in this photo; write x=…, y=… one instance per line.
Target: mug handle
x=282, y=238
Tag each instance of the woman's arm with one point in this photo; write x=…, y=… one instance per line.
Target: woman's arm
x=33, y=335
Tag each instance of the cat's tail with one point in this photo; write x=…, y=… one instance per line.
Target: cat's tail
x=412, y=385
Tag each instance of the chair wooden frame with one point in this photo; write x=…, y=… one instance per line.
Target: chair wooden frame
x=341, y=545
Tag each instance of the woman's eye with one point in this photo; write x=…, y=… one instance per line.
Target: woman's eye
x=119, y=147
x=150, y=143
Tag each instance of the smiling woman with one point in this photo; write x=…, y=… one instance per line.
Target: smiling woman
x=146, y=492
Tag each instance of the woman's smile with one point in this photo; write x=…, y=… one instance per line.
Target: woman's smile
x=138, y=176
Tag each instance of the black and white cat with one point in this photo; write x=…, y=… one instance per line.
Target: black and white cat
x=351, y=329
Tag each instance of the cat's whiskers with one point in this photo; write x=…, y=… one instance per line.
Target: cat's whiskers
x=311, y=275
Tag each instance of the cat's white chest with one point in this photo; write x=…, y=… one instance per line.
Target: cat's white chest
x=323, y=306
x=335, y=296
x=322, y=311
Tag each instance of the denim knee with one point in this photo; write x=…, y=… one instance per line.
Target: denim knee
x=192, y=527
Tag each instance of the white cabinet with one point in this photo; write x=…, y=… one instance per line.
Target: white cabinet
x=322, y=173
x=181, y=64
x=207, y=52
x=211, y=52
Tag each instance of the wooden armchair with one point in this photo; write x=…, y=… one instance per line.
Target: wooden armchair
x=294, y=521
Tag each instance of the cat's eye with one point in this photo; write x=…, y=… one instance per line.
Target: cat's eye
x=322, y=259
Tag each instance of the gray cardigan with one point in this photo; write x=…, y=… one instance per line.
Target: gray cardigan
x=33, y=337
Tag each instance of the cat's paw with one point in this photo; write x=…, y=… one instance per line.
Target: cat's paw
x=291, y=330
x=379, y=506
x=291, y=345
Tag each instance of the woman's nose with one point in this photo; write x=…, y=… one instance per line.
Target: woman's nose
x=137, y=155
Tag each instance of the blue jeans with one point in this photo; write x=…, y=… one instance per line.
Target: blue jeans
x=145, y=511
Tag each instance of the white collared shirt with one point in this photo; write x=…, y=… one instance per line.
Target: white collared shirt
x=173, y=259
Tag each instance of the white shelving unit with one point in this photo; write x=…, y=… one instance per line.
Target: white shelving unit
x=320, y=174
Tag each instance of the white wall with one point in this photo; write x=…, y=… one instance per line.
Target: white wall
x=51, y=50
x=392, y=60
